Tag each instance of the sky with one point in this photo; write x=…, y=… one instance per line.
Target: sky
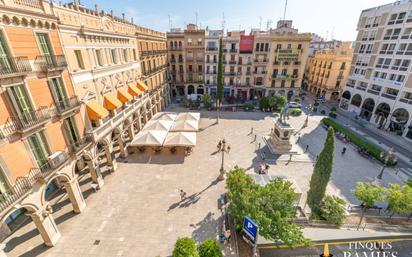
x=327, y=18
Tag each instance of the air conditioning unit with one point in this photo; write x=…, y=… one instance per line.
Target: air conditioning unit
x=56, y=159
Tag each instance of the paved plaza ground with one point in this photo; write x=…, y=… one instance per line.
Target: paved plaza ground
x=138, y=212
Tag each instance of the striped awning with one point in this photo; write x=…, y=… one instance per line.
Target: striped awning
x=142, y=86
x=111, y=102
x=95, y=111
x=123, y=95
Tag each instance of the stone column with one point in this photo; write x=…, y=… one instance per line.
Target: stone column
x=132, y=132
x=110, y=160
x=44, y=222
x=95, y=174
x=123, y=152
x=75, y=195
x=2, y=253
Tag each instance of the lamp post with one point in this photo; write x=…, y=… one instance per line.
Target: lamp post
x=223, y=148
x=387, y=158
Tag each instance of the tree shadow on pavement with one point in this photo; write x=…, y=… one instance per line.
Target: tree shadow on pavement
x=206, y=228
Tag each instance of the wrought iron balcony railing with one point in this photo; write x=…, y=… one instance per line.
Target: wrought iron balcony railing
x=14, y=66
x=28, y=119
x=67, y=104
x=51, y=62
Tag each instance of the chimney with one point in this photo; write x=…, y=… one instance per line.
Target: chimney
x=96, y=8
x=131, y=20
x=123, y=16
x=111, y=13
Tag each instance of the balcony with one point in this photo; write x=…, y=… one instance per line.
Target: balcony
x=261, y=60
x=51, y=63
x=232, y=62
x=180, y=60
x=28, y=120
x=172, y=60
x=80, y=145
x=233, y=50
x=14, y=66
x=176, y=48
x=389, y=96
x=406, y=101
x=211, y=61
x=67, y=105
x=211, y=48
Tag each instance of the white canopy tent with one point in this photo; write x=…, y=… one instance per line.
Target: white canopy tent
x=163, y=125
x=169, y=116
x=149, y=138
x=185, y=126
x=180, y=139
x=194, y=116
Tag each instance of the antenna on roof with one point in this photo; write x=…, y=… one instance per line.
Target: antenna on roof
x=196, y=18
x=170, y=22
x=284, y=12
x=223, y=22
x=268, y=25
x=333, y=32
x=260, y=23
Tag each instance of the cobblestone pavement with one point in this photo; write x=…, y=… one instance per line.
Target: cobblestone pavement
x=139, y=213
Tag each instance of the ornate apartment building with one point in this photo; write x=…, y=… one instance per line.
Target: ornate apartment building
x=379, y=87
x=327, y=71
x=255, y=65
x=76, y=85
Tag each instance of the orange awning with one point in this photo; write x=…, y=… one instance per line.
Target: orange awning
x=134, y=91
x=123, y=95
x=142, y=86
x=111, y=102
x=95, y=111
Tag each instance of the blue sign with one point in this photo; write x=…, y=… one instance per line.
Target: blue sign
x=250, y=228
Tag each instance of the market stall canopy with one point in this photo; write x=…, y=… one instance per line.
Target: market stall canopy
x=185, y=125
x=195, y=116
x=170, y=116
x=123, y=95
x=111, y=102
x=134, y=91
x=142, y=86
x=149, y=138
x=163, y=125
x=180, y=139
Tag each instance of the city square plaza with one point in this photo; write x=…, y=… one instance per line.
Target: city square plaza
x=139, y=212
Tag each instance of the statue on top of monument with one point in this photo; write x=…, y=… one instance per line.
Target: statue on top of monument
x=284, y=114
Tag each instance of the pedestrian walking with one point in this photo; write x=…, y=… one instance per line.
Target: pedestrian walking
x=251, y=131
x=182, y=195
x=307, y=148
x=297, y=141
x=254, y=140
x=344, y=150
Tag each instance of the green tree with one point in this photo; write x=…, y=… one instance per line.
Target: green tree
x=185, y=247
x=280, y=101
x=220, y=79
x=207, y=100
x=332, y=209
x=368, y=195
x=263, y=103
x=272, y=104
x=321, y=173
x=272, y=207
x=399, y=199
x=209, y=248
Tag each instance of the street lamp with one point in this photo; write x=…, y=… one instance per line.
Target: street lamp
x=223, y=148
x=387, y=158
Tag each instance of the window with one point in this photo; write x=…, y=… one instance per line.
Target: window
x=59, y=92
x=343, y=66
x=392, y=91
x=21, y=102
x=39, y=148
x=125, y=55
x=113, y=55
x=407, y=33
x=376, y=88
x=45, y=46
x=79, y=59
x=99, y=57
x=134, y=55
x=71, y=130
x=5, y=65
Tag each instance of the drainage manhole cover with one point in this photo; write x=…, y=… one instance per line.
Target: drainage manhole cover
x=96, y=242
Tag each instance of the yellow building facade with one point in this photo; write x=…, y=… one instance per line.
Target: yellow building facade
x=328, y=70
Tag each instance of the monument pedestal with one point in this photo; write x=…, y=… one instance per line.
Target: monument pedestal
x=279, y=139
